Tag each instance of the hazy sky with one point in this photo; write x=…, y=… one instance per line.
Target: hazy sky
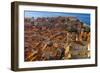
x=82, y=17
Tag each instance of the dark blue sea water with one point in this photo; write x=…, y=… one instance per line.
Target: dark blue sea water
x=84, y=17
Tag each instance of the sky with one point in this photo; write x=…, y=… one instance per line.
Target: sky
x=81, y=16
